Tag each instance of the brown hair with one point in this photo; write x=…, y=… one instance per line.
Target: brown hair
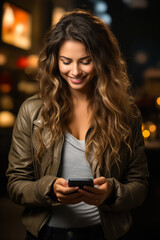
x=112, y=101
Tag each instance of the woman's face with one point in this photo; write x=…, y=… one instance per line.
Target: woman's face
x=75, y=65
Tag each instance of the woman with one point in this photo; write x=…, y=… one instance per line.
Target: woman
x=83, y=123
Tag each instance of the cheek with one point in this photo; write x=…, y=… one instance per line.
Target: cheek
x=63, y=69
x=91, y=70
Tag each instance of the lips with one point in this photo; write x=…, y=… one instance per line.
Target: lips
x=77, y=80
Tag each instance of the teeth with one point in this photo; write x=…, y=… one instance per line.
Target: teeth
x=76, y=79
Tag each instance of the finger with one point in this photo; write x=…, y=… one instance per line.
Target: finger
x=91, y=189
x=69, y=196
x=61, y=181
x=70, y=190
x=87, y=194
x=99, y=181
x=90, y=197
x=66, y=190
x=58, y=184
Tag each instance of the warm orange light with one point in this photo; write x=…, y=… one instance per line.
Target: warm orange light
x=57, y=13
x=27, y=87
x=16, y=26
x=32, y=61
x=146, y=133
x=5, y=88
x=6, y=102
x=158, y=101
x=8, y=17
x=3, y=59
x=152, y=128
x=7, y=119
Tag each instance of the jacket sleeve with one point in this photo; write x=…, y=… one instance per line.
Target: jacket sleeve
x=23, y=187
x=130, y=191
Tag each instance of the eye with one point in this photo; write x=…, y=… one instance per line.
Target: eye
x=85, y=62
x=66, y=63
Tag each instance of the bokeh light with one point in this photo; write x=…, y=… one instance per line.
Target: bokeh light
x=146, y=133
x=7, y=119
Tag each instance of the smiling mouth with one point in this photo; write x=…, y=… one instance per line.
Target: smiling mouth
x=77, y=80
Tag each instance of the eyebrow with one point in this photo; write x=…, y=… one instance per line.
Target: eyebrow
x=71, y=59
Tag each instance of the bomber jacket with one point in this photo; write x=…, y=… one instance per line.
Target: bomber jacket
x=30, y=182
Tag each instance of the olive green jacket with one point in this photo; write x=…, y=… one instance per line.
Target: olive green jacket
x=30, y=183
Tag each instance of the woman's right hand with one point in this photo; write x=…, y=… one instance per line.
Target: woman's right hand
x=66, y=194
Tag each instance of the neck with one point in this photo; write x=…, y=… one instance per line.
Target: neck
x=81, y=96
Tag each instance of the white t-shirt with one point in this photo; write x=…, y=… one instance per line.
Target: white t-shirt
x=74, y=165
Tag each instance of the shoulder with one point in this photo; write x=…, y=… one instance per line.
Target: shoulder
x=31, y=107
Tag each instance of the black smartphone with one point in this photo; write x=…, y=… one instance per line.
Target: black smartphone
x=80, y=182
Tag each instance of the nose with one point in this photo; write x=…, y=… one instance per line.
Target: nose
x=75, y=71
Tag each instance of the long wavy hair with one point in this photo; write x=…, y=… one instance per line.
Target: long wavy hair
x=112, y=102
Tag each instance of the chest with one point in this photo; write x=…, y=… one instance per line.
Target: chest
x=80, y=122
x=73, y=162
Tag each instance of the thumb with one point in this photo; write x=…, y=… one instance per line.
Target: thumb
x=99, y=181
x=62, y=181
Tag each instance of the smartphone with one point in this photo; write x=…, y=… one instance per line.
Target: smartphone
x=80, y=182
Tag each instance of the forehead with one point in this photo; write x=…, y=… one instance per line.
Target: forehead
x=73, y=49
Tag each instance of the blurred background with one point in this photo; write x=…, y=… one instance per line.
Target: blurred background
x=136, y=24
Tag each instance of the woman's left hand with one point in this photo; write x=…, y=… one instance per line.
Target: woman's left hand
x=97, y=195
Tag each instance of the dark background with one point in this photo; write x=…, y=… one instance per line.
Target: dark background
x=137, y=30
